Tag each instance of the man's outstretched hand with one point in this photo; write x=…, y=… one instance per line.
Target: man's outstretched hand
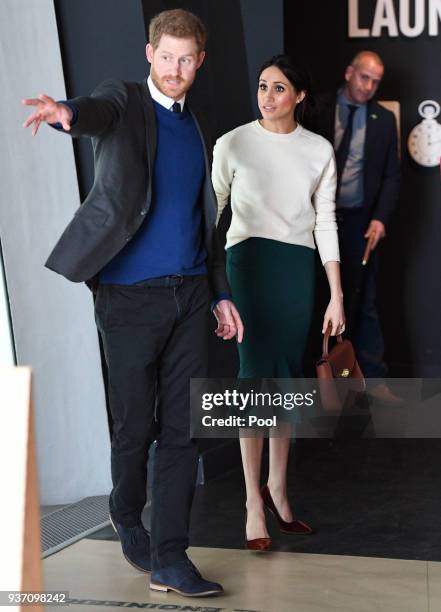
x=229, y=323
x=47, y=110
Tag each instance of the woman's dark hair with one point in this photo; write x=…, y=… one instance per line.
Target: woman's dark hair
x=299, y=78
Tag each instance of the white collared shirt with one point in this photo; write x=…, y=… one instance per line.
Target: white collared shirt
x=161, y=98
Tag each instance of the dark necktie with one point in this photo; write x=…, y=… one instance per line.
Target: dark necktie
x=342, y=152
x=176, y=108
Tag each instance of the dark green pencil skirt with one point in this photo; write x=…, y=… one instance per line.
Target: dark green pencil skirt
x=273, y=288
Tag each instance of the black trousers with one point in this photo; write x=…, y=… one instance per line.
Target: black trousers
x=363, y=322
x=155, y=340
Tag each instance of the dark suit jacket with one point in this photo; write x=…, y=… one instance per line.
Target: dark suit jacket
x=120, y=118
x=381, y=163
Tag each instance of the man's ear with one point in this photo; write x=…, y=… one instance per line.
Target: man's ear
x=149, y=52
x=200, y=60
x=349, y=72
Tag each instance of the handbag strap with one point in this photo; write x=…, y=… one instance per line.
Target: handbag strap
x=326, y=341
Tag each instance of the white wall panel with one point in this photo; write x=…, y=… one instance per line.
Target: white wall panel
x=52, y=318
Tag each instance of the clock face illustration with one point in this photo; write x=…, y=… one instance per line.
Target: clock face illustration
x=424, y=142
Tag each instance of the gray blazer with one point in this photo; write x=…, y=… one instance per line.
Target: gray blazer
x=119, y=118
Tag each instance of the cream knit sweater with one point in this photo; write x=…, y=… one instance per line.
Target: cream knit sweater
x=282, y=187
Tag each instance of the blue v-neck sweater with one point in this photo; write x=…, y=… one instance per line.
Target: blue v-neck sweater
x=170, y=239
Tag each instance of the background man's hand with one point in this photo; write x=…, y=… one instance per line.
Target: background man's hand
x=376, y=227
x=47, y=110
x=229, y=323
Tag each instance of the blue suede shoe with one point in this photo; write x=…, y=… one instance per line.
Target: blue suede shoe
x=135, y=544
x=183, y=578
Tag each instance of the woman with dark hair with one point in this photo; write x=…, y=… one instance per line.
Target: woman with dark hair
x=281, y=179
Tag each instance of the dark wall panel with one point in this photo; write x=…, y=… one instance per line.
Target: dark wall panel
x=410, y=280
x=99, y=39
x=263, y=34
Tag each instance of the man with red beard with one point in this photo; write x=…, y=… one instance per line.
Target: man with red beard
x=145, y=238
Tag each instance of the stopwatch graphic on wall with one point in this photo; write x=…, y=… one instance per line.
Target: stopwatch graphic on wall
x=424, y=142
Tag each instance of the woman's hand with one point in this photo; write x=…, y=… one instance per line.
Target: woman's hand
x=334, y=316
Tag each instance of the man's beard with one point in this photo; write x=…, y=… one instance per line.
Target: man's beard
x=164, y=88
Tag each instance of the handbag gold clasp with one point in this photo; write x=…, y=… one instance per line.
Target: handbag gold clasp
x=345, y=373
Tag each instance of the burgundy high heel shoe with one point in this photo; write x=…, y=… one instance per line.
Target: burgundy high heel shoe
x=258, y=544
x=294, y=527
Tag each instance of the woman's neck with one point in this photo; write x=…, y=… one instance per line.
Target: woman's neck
x=279, y=126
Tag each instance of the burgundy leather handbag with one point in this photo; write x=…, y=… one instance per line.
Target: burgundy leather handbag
x=340, y=378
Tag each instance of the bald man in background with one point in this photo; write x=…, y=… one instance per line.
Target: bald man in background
x=364, y=135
